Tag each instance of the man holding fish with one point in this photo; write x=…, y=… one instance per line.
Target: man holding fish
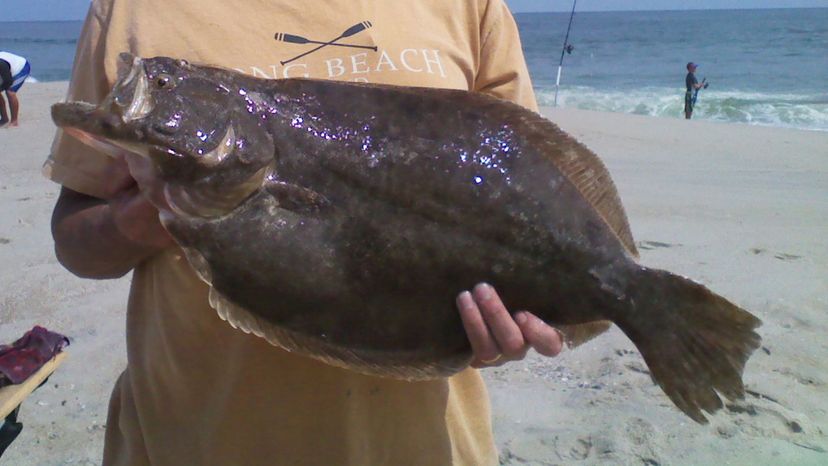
x=195, y=390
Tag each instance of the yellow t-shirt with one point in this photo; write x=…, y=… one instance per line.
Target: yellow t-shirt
x=198, y=392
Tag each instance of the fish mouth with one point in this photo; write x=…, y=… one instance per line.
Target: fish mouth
x=113, y=147
x=107, y=127
x=120, y=127
x=114, y=126
x=182, y=200
x=117, y=148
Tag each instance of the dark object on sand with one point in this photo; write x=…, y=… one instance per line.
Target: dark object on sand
x=340, y=221
x=25, y=356
x=25, y=365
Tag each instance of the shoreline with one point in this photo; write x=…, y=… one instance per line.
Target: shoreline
x=547, y=108
x=740, y=208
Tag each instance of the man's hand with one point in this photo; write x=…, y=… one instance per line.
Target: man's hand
x=107, y=237
x=495, y=336
x=137, y=220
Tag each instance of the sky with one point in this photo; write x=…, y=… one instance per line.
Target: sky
x=605, y=5
x=49, y=10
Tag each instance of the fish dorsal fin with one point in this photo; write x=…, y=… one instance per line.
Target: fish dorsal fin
x=578, y=164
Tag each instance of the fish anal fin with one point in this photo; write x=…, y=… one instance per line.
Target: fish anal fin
x=578, y=334
x=199, y=264
x=405, y=366
x=296, y=198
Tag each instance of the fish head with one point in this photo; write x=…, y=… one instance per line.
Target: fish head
x=194, y=133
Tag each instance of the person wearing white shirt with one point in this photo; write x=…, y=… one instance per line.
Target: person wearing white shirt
x=14, y=70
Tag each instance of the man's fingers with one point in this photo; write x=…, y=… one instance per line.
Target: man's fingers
x=496, y=336
x=482, y=342
x=117, y=177
x=502, y=326
x=545, y=339
x=137, y=220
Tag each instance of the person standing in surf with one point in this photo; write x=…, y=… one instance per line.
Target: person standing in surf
x=13, y=73
x=693, y=85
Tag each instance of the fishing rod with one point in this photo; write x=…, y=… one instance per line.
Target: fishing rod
x=696, y=93
x=567, y=48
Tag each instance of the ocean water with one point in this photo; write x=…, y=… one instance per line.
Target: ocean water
x=767, y=67
x=48, y=45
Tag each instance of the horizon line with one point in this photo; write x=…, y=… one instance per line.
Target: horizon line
x=531, y=12
x=682, y=9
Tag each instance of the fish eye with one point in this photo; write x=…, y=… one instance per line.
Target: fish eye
x=164, y=81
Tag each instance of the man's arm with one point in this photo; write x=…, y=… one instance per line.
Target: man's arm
x=100, y=238
x=4, y=117
x=14, y=107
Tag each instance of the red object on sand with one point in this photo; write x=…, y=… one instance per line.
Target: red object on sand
x=25, y=356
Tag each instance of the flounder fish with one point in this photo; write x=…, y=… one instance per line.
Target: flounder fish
x=340, y=220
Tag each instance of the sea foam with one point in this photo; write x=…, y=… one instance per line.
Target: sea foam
x=805, y=111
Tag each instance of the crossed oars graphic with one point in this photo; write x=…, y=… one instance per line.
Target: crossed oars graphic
x=294, y=39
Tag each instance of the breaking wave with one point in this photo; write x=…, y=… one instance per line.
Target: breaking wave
x=809, y=112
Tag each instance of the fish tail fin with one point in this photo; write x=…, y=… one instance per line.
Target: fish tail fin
x=695, y=342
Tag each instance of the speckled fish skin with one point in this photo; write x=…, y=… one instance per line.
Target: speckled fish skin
x=341, y=220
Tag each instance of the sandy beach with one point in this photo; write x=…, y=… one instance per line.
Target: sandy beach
x=742, y=209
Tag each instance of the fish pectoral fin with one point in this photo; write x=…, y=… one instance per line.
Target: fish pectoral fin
x=296, y=198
